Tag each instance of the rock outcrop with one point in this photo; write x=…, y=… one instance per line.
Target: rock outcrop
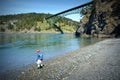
x=104, y=19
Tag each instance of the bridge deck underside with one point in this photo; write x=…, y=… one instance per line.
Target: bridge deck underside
x=74, y=10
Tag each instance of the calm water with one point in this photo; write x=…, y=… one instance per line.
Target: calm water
x=18, y=50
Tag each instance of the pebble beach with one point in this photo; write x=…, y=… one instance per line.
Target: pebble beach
x=99, y=61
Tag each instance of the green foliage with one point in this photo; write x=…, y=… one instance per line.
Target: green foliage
x=37, y=29
x=2, y=29
x=32, y=21
x=10, y=26
x=86, y=9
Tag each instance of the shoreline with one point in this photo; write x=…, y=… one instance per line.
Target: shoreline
x=93, y=62
x=49, y=31
x=45, y=32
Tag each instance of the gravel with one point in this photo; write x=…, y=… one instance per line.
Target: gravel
x=100, y=61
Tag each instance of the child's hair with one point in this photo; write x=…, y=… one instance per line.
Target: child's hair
x=37, y=51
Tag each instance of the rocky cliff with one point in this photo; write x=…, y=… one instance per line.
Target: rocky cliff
x=104, y=19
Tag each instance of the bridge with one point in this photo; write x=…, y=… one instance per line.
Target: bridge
x=74, y=10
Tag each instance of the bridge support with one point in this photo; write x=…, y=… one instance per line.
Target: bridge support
x=73, y=10
x=58, y=27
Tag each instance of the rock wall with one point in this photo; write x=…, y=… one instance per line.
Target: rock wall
x=104, y=19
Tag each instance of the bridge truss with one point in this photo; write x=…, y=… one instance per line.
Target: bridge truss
x=75, y=10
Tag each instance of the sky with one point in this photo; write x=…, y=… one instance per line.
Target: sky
x=40, y=6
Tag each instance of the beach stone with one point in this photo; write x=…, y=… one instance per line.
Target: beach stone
x=100, y=61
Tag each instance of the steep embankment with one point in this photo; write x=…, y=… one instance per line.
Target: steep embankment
x=108, y=12
x=103, y=19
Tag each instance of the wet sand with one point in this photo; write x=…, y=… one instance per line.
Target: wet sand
x=100, y=61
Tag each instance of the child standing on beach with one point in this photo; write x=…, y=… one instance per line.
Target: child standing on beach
x=39, y=59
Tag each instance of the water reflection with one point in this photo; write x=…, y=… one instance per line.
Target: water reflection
x=31, y=40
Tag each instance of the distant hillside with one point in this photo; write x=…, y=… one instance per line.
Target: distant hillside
x=34, y=22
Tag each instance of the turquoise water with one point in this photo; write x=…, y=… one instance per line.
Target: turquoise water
x=18, y=50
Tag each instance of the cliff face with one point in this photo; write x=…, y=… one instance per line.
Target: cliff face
x=104, y=19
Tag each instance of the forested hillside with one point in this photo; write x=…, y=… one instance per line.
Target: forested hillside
x=34, y=22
